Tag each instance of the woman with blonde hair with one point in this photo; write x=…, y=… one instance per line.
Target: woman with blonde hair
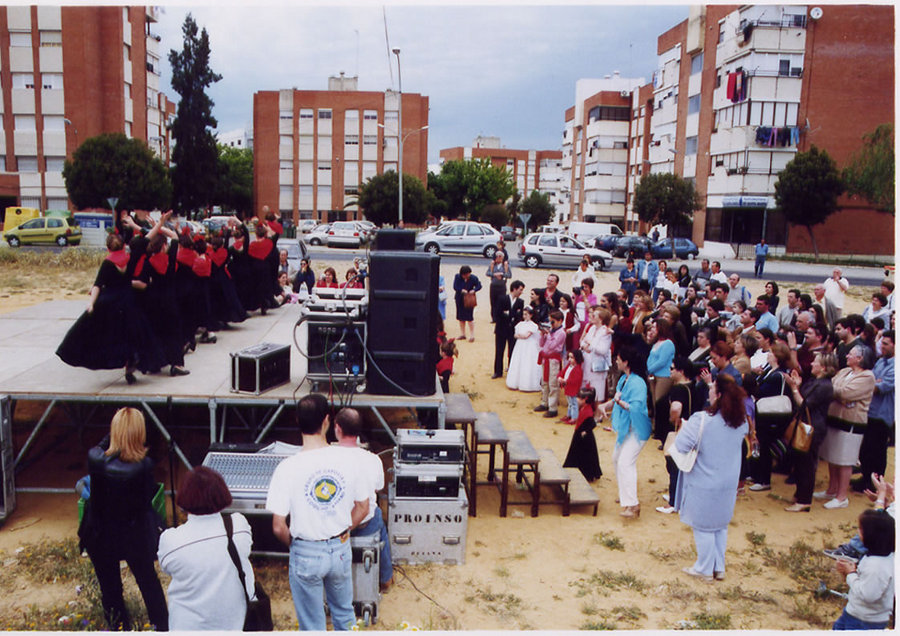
x=119, y=522
x=596, y=345
x=643, y=307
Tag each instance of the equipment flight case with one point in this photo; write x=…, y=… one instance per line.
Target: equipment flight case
x=259, y=368
x=424, y=446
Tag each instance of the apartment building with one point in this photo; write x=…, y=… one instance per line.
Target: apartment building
x=312, y=149
x=595, y=150
x=69, y=73
x=238, y=138
x=740, y=89
x=539, y=170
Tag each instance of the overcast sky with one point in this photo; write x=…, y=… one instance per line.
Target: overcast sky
x=498, y=70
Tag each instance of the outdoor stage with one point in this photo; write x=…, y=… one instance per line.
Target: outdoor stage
x=31, y=371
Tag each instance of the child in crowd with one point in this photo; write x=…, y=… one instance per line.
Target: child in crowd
x=583, y=447
x=570, y=382
x=445, y=365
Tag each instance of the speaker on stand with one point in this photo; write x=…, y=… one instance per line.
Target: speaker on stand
x=402, y=322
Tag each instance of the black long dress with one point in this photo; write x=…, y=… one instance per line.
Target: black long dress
x=116, y=333
x=160, y=306
x=583, y=447
x=226, y=306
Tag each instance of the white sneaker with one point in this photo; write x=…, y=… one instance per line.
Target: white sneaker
x=822, y=494
x=837, y=503
x=666, y=510
x=759, y=487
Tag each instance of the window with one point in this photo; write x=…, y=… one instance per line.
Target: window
x=20, y=38
x=51, y=38
x=475, y=230
x=126, y=52
x=23, y=80
x=27, y=164
x=370, y=115
x=696, y=63
x=24, y=122
x=690, y=146
x=285, y=140
x=620, y=145
x=784, y=67
x=306, y=113
x=391, y=115
x=285, y=114
x=54, y=122
x=127, y=90
x=351, y=116
x=324, y=165
x=693, y=104
x=547, y=240
x=54, y=222
x=324, y=113
x=370, y=140
x=351, y=140
x=286, y=165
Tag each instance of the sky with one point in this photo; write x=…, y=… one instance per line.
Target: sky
x=505, y=70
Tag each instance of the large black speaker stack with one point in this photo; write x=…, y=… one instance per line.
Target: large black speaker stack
x=402, y=322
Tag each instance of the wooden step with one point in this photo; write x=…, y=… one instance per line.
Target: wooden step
x=580, y=491
x=520, y=449
x=489, y=428
x=459, y=409
x=552, y=473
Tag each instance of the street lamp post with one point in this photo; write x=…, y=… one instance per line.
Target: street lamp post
x=400, y=139
x=68, y=122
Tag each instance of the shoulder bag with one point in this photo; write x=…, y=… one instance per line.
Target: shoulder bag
x=799, y=432
x=776, y=405
x=684, y=461
x=259, y=610
x=470, y=301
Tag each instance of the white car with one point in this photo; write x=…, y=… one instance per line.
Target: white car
x=469, y=237
x=550, y=248
x=345, y=234
x=305, y=226
x=318, y=236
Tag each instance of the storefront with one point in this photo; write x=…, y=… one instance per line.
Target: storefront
x=741, y=220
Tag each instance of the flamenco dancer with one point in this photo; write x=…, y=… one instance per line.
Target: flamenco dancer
x=113, y=320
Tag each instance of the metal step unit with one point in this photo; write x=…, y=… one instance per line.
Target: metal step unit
x=429, y=530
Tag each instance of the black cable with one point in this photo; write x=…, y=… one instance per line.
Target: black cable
x=380, y=372
x=406, y=576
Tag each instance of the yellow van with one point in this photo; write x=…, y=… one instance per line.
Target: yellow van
x=16, y=216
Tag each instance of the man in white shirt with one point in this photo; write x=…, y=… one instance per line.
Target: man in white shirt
x=347, y=428
x=834, y=291
x=325, y=495
x=717, y=274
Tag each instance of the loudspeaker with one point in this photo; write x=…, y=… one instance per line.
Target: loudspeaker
x=391, y=239
x=402, y=322
x=7, y=461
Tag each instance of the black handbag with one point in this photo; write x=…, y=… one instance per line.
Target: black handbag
x=259, y=610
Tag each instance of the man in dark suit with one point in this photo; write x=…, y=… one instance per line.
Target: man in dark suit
x=507, y=314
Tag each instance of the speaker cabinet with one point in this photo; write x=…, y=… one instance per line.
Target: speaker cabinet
x=395, y=240
x=402, y=322
x=7, y=460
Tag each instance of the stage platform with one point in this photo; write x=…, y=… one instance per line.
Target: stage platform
x=30, y=370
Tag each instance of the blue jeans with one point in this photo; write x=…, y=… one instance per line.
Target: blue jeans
x=710, y=550
x=572, y=411
x=759, y=265
x=845, y=621
x=315, y=565
x=375, y=525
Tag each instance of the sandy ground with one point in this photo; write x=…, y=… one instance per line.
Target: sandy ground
x=549, y=572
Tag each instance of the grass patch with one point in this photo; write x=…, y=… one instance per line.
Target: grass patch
x=737, y=593
x=801, y=562
x=706, y=621
x=501, y=571
x=809, y=611
x=499, y=603
x=601, y=625
x=631, y=613
x=756, y=538
x=609, y=540
x=666, y=555
x=590, y=608
x=678, y=591
x=610, y=580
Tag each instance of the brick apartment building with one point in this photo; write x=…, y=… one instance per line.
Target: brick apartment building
x=312, y=149
x=740, y=89
x=539, y=170
x=67, y=74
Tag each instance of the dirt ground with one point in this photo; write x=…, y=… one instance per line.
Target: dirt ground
x=550, y=572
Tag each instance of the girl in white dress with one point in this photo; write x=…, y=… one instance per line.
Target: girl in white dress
x=524, y=372
x=596, y=342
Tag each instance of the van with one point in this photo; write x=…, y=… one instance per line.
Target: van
x=16, y=216
x=584, y=232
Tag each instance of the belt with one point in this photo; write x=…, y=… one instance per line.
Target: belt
x=343, y=536
x=846, y=426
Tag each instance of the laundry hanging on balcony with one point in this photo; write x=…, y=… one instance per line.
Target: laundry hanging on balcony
x=736, y=88
x=783, y=136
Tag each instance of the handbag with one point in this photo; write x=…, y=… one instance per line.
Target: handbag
x=684, y=461
x=799, y=432
x=470, y=301
x=776, y=405
x=259, y=609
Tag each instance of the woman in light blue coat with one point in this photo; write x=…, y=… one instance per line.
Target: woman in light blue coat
x=631, y=424
x=705, y=496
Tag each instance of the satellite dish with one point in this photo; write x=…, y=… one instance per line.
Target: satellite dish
x=815, y=13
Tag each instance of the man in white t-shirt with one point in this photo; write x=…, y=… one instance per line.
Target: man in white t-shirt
x=834, y=291
x=325, y=495
x=717, y=274
x=347, y=428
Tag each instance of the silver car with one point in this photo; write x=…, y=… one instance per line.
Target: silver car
x=318, y=236
x=469, y=237
x=345, y=234
x=559, y=250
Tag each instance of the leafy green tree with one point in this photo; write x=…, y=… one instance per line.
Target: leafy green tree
x=667, y=199
x=378, y=199
x=467, y=186
x=112, y=165
x=195, y=155
x=234, y=187
x=539, y=207
x=495, y=214
x=871, y=170
x=807, y=190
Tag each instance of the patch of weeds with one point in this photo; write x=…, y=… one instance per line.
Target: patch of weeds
x=810, y=612
x=679, y=591
x=711, y=620
x=501, y=571
x=590, y=608
x=598, y=625
x=499, y=603
x=518, y=556
x=663, y=554
x=756, y=538
x=609, y=540
x=610, y=580
x=848, y=528
x=737, y=593
x=472, y=393
x=801, y=562
x=631, y=613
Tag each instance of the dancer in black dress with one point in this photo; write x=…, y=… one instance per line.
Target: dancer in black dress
x=226, y=306
x=262, y=268
x=113, y=332
x=583, y=447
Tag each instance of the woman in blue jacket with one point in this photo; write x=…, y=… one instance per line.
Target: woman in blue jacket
x=659, y=364
x=631, y=424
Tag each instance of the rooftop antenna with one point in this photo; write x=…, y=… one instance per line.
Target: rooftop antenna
x=357, y=52
x=387, y=43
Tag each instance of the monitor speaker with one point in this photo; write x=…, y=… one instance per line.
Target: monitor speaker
x=402, y=323
x=395, y=240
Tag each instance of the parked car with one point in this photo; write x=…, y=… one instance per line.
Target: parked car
x=509, y=233
x=296, y=250
x=606, y=242
x=345, y=234
x=368, y=229
x=214, y=224
x=684, y=248
x=318, y=236
x=305, y=226
x=626, y=244
x=460, y=236
x=60, y=230
x=550, y=248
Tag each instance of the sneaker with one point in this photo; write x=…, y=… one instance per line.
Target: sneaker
x=837, y=503
x=666, y=510
x=692, y=572
x=760, y=487
x=719, y=576
x=822, y=494
x=540, y=407
x=844, y=552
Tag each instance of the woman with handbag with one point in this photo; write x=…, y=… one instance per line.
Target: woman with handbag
x=846, y=420
x=119, y=522
x=205, y=592
x=596, y=346
x=813, y=396
x=706, y=494
x=773, y=413
x=465, y=286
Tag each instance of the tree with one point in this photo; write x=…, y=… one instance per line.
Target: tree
x=539, y=207
x=234, y=186
x=112, y=165
x=871, y=170
x=807, y=190
x=378, y=199
x=467, y=186
x=195, y=155
x=665, y=198
x=495, y=214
